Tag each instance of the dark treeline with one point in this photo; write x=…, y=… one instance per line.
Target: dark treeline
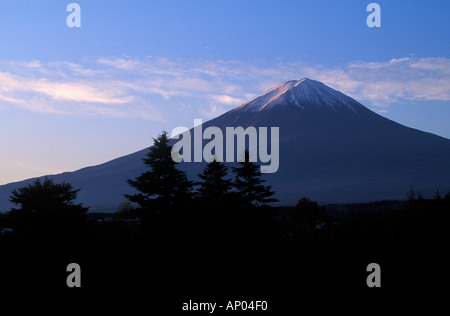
x=177, y=238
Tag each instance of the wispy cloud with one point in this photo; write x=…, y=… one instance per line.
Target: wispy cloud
x=227, y=99
x=212, y=111
x=396, y=80
x=149, y=87
x=70, y=89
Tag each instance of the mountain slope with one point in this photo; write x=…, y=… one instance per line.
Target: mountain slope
x=332, y=149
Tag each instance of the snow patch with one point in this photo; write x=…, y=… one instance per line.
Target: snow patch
x=304, y=93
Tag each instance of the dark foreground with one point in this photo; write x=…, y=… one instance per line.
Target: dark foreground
x=298, y=258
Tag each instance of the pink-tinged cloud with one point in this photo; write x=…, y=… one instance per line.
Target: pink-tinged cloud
x=149, y=87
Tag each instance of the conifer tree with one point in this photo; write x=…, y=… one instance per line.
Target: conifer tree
x=250, y=186
x=163, y=186
x=214, y=188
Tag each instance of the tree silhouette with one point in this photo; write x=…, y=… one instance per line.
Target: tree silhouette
x=249, y=185
x=46, y=198
x=214, y=188
x=45, y=227
x=163, y=186
x=47, y=208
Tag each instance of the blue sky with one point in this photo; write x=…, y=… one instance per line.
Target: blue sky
x=74, y=97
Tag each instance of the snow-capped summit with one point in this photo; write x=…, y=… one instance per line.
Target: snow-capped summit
x=304, y=93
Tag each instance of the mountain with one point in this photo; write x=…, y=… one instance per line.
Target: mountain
x=331, y=149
